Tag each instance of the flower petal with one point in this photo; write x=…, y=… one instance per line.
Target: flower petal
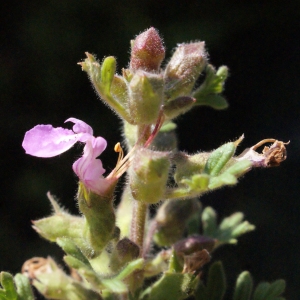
x=47, y=141
x=80, y=126
x=88, y=168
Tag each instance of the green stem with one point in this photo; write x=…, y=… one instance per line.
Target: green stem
x=140, y=210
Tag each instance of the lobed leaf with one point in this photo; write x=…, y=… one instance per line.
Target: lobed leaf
x=243, y=287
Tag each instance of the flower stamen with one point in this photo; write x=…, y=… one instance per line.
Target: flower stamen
x=123, y=163
x=159, y=123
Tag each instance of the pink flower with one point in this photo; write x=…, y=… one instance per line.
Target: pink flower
x=46, y=141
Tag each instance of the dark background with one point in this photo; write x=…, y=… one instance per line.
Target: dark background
x=41, y=42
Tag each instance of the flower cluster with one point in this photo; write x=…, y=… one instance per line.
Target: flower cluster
x=110, y=249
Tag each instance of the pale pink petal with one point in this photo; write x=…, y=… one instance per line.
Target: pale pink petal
x=80, y=126
x=89, y=169
x=99, y=145
x=47, y=141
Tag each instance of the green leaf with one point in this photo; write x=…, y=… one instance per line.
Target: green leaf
x=223, y=179
x=23, y=287
x=9, y=290
x=269, y=291
x=209, y=222
x=214, y=101
x=15, y=288
x=243, y=287
x=197, y=183
x=234, y=220
x=130, y=268
x=201, y=293
x=207, y=93
x=194, y=223
x=70, y=248
x=216, y=282
x=175, y=286
x=277, y=288
x=242, y=228
x=229, y=229
x=219, y=158
x=77, y=264
x=174, y=264
x=230, y=175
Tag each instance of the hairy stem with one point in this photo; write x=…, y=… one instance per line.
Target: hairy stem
x=140, y=210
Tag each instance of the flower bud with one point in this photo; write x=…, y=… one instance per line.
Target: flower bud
x=194, y=263
x=185, y=66
x=124, y=252
x=171, y=219
x=150, y=170
x=193, y=244
x=145, y=97
x=147, y=51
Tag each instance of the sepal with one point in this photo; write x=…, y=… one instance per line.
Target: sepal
x=178, y=106
x=183, y=69
x=149, y=172
x=61, y=224
x=102, y=76
x=145, y=97
x=99, y=215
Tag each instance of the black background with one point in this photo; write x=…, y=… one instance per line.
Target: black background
x=41, y=42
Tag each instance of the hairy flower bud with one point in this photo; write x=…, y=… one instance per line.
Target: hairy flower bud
x=171, y=220
x=147, y=51
x=193, y=244
x=185, y=66
x=124, y=252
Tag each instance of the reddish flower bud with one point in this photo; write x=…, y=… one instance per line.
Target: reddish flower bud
x=147, y=51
